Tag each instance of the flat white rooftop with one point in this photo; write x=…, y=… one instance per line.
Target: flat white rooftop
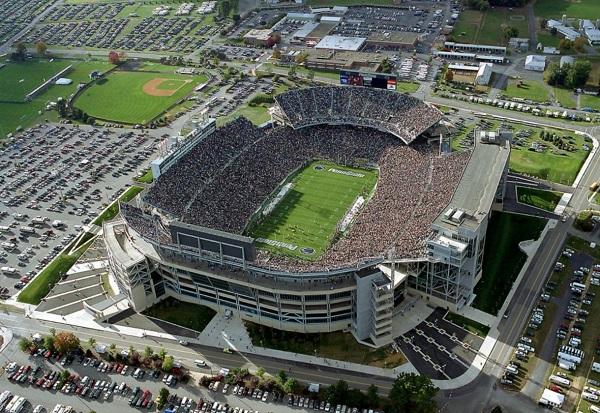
x=336, y=42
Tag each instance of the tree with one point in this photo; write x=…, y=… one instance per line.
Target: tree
x=64, y=375
x=224, y=8
x=386, y=66
x=20, y=51
x=412, y=393
x=65, y=341
x=92, y=342
x=543, y=23
x=41, y=48
x=49, y=343
x=260, y=372
x=579, y=44
x=508, y=31
x=276, y=54
x=162, y=353
x=112, y=348
x=113, y=57
x=167, y=364
x=584, y=221
x=337, y=393
x=148, y=352
x=578, y=74
x=449, y=76
x=555, y=75
x=163, y=396
x=25, y=344
x=373, y=396
x=236, y=18
x=565, y=45
x=290, y=385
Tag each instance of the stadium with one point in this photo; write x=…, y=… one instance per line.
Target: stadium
x=320, y=221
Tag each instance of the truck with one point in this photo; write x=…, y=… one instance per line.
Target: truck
x=561, y=381
x=27, y=230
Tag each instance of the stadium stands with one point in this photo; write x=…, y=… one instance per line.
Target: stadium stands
x=223, y=181
x=399, y=114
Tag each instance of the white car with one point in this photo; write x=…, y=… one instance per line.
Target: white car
x=38, y=409
x=200, y=363
x=183, y=342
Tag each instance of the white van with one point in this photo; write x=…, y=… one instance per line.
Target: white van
x=8, y=270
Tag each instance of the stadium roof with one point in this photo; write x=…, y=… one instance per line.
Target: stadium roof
x=336, y=42
x=477, y=189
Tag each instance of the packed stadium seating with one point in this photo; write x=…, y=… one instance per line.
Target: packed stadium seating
x=399, y=114
x=225, y=178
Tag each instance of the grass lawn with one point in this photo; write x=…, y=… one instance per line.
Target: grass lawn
x=192, y=316
x=18, y=79
x=24, y=115
x=553, y=164
x=407, y=87
x=41, y=285
x=309, y=213
x=546, y=200
x=589, y=101
x=258, y=114
x=530, y=89
x=468, y=324
x=147, y=178
x=502, y=260
x=113, y=209
x=565, y=97
x=547, y=39
x=582, y=9
x=474, y=26
x=336, y=345
x=120, y=96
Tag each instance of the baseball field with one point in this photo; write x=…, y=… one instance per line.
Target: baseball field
x=135, y=97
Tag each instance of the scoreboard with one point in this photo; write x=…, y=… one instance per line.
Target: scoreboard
x=378, y=80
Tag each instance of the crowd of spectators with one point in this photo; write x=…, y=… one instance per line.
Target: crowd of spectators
x=223, y=181
x=400, y=114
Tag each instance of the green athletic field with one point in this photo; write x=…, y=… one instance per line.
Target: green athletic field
x=120, y=96
x=18, y=79
x=25, y=114
x=580, y=9
x=308, y=215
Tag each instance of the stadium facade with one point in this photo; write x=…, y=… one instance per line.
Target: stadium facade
x=154, y=254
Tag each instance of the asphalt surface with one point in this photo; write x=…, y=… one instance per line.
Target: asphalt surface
x=63, y=173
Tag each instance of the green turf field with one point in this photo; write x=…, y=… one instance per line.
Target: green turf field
x=530, y=89
x=539, y=198
x=18, y=79
x=120, y=96
x=565, y=97
x=553, y=164
x=308, y=215
x=14, y=115
x=474, y=26
x=502, y=259
x=582, y=9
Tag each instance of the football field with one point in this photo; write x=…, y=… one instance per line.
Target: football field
x=304, y=222
x=135, y=97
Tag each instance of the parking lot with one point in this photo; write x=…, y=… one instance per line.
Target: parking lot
x=94, y=384
x=438, y=348
x=55, y=179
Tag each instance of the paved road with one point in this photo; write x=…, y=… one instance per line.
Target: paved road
x=301, y=371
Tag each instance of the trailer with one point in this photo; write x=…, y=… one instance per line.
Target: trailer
x=561, y=381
